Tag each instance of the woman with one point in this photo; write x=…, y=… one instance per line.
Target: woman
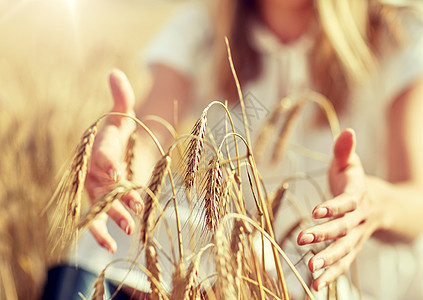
x=362, y=55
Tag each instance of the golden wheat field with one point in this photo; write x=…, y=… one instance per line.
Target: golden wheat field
x=55, y=56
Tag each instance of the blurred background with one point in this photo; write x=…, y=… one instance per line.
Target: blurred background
x=55, y=56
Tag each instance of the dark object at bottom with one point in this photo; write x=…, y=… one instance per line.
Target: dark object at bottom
x=66, y=282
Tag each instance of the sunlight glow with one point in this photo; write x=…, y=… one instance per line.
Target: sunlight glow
x=12, y=9
x=72, y=7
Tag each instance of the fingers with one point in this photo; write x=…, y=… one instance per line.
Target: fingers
x=338, y=257
x=336, y=270
x=96, y=190
x=123, y=95
x=121, y=216
x=134, y=202
x=337, y=206
x=99, y=230
x=98, y=183
x=344, y=148
x=335, y=251
x=330, y=230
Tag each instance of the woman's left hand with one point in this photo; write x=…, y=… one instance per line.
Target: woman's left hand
x=352, y=214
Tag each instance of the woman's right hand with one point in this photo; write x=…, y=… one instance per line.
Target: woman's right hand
x=106, y=166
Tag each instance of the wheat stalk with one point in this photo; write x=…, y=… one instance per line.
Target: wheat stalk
x=271, y=239
x=255, y=283
x=129, y=156
x=327, y=107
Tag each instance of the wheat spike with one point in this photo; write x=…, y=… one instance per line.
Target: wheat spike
x=153, y=267
x=286, y=130
x=269, y=126
x=225, y=283
x=178, y=283
x=7, y=281
x=129, y=156
x=190, y=280
x=237, y=249
x=69, y=192
x=99, y=286
x=194, y=150
x=276, y=200
x=228, y=182
x=184, y=285
x=213, y=200
x=155, y=184
x=79, y=168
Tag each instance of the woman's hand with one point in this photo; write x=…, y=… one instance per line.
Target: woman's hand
x=352, y=214
x=106, y=166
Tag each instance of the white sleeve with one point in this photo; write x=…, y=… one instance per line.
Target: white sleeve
x=180, y=41
x=405, y=66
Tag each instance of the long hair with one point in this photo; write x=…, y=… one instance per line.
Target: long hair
x=344, y=52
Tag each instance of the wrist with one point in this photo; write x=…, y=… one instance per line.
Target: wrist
x=377, y=192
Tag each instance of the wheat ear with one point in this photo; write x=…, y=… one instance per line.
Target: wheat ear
x=69, y=192
x=130, y=155
x=155, y=185
x=269, y=127
x=184, y=284
x=237, y=249
x=153, y=266
x=99, y=286
x=286, y=130
x=276, y=200
x=225, y=283
x=194, y=150
x=213, y=200
x=178, y=283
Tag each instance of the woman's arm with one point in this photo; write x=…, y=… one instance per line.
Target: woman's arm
x=168, y=85
x=106, y=165
x=403, y=193
x=364, y=205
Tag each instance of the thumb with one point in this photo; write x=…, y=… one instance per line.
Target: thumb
x=123, y=94
x=344, y=149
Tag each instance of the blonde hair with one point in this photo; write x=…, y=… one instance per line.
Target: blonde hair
x=344, y=52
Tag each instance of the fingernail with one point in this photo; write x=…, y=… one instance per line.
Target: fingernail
x=135, y=206
x=114, y=174
x=125, y=226
x=321, y=212
x=306, y=238
x=109, y=248
x=321, y=285
x=318, y=264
